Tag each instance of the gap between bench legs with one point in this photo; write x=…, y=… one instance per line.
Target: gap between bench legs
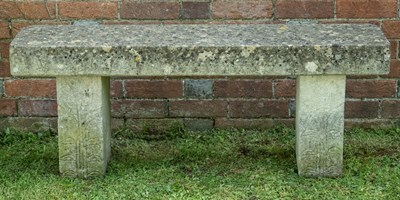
x=320, y=125
x=83, y=125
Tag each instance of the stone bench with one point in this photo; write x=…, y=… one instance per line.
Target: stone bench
x=82, y=58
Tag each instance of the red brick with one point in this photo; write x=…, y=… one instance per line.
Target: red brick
x=4, y=68
x=195, y=10
x=198, y=108
x=4, y=30
x=38, y=108
x=88, y=10
x=37, y=10
x=30, y=88
x=244, y=123
x=393, y=48
x=4, y=49
x=149, y=10
x=390, y=109
x=242, y=10
x=361, y=109
x=304, y=9
x=139, y=108
x=259, y=108
x=9, y=10
x=366, y=8
x=243, y=88
x=370, y=88
x=8, y=107
x=116, y=89
x=153, y=89
x=285, y=88
x=391, y=29
x=394, y=69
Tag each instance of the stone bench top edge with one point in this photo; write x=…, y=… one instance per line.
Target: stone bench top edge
x=204, y=50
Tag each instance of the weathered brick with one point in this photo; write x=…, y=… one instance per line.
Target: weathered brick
x=201, y=89
x=243, y=123
x=8, y=107
x=30, y=88
x=361, y=109
x=37, y=9
x=198, y=108
x=33, y=124
x=242, y=10
x=139, y=108
x=394, y=69
x=9, y=10
x=4, y=30
x=149, y=10
x=153, y=88
x=195, y=10
x=4, y=68
x=391, y=28
x=370, y=88
x=258, y=108
x=368, y=123
x=243, y=88
x=116, y=89
x=88, y=10
x=285, y=88
x=304, y=9
x=366, y=8
x=4, y=49
x=195, y=124
x=394, y=45
x=37, y=108
x=390, y=109
x=156, y=126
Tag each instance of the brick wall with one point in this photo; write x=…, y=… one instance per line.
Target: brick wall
x=199, y=102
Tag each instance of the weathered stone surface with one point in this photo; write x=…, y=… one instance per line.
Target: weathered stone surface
x=193, y=124
x=320, y=125
x=83, y=125
x=201, y=89
x=156, y=50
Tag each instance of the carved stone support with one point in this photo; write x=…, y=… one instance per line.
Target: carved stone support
x=320, y=124
x=83, y=125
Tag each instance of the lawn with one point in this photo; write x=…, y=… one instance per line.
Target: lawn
x=220, y=164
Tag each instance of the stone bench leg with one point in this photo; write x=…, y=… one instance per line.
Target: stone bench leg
x=320, y=124
x=83, y=125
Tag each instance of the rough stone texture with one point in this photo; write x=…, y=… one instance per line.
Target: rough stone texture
x=198, y=124
x=200, y=50
x=83, y=125
x=201, y=89
x=320, y=125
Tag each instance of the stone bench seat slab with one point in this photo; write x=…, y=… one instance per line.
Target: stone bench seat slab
x=83, y=58
x=182, y=50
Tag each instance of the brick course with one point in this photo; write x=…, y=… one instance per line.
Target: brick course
x=245, y=102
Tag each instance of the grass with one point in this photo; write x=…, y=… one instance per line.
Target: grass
x=234, y=164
